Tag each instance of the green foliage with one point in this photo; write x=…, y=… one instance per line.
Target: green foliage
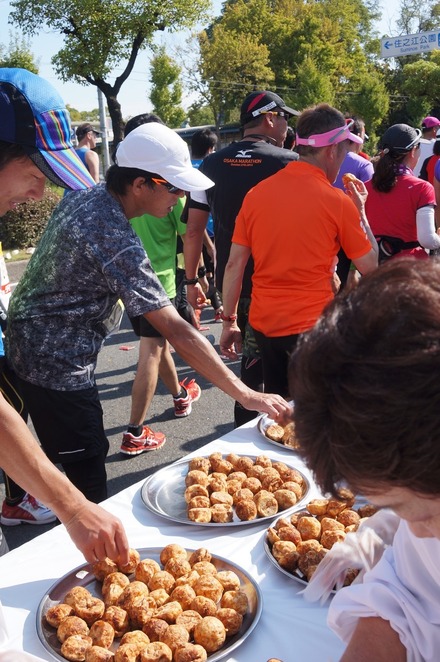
x=200, y=115
x=166, y=90
x=18, y=54
x=83, y=115
x=23, y=226
x=100, y=35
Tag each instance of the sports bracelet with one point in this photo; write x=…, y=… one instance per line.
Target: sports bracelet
x=190, y=281
x=228, y=318
x=202, y=271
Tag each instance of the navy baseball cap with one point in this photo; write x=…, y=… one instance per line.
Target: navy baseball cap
x=33, y=115
x=258, y=103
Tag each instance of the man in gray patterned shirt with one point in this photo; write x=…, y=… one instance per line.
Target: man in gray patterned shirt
x=67, y=302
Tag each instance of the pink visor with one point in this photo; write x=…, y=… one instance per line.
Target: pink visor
x=330, y=137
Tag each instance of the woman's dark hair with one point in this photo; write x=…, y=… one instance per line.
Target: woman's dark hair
x=118, y=179
x=365, y=383
x=10, y=152
x=385, y=171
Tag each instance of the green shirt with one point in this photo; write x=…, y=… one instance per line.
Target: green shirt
x=159, y=238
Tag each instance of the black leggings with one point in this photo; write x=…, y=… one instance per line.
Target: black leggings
x=275, y=354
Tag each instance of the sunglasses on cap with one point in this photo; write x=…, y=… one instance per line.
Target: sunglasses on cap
x=169, y=187
x=280, y=113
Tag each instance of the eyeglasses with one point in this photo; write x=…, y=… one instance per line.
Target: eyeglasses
x=169, y=187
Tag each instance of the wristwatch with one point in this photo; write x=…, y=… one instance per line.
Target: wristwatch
x=201, y=272
x=228, y=318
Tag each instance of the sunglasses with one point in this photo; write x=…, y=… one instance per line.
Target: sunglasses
x=280, y=113
x=169, y=187
x=348, y=124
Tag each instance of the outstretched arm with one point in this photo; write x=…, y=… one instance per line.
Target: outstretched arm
x=94, y=531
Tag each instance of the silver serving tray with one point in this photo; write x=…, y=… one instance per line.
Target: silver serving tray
x=163, y=494
x=263, y=423
x=297, y=574
x=83, y=576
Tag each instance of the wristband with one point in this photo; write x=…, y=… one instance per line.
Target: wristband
x=201, y=272
x=228, y=318
x=190, y=281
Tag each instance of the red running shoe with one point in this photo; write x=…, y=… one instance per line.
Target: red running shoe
x=148, y=441
x=183, y=406
x=28, y=511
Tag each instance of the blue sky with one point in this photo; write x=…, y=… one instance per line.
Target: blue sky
x=133, y=96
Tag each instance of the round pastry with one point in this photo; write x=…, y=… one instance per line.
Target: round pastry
x=134, y=558
x=217, y=482
x=246, y=510
x=57, y=613
x=309, y=527
x=221, y=513
x=312, y=558
x=330, y=524
x=286, y=498
x=78, y=595
x=75, y=647
x=190, y=653
x=127, y=653
x=232, y=486
x=266, y=504
x=284, y=552
x=145, y=569
x=204, y=606
x=242, y=494
x=271, y=479
x=210, y=633
x=205, y=567
x=154, y=628
x=256, y=471
x=102, y=634
x=263, y=461
x=201, y=554
x=140, y=614
x=200, y=464
x=244, y=464
x=228, y=579
x=160, y=596
x=199, y=502
x=189, y=619
x=235, y=600
x=98, y=654
x=175, y=636
x=118, y=618
x=237, y=475
x=136, y=637
x=177, y=566
x=282, y=469
x=289, y=437
x=116, y=579
x=367, y=511
x=196, y=477
x=162, y=579
x=172, y=551
x=103, y=568
x=189, y=579
x=201, y=515
x=274, y=432
x=317, y=507
x=169, y=611
x=335, y=506
x=133, y=594
x=112, y=595
x=329, y=538
x=348, y=517
x=195, y=490
x=221, y=466
x=293, y=487
x=289, y=533
x=232, y=458
x=347, y=178
x=308, y=545
x=252, y=484
x=157, y=651
x=231, y=619
x=209, y=586
x=184, y=594
x=221, y=497
x=71, y=625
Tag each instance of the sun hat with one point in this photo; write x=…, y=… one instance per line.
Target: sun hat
x=400, y=137
x=83, y=129
x=430, y=122
x=258, y=103
x=157, y=149
x=33, y=115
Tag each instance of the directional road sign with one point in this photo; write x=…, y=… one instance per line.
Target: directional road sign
x=410, y=44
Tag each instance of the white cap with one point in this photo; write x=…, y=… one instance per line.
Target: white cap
x=157, y=149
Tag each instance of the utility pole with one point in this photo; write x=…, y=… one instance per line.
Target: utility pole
x=103, y=129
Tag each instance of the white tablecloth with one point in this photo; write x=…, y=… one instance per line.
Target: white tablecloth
x=289, y=628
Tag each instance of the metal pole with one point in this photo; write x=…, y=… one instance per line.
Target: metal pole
x=103, y=128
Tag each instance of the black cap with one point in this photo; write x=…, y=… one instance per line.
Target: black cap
x=83, y=129
x=400, y=137
x=258, y=103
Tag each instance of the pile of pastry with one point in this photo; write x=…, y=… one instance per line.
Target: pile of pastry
x=218, y=486
x=179, y=610
x=300, y=542
x=283, y=434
